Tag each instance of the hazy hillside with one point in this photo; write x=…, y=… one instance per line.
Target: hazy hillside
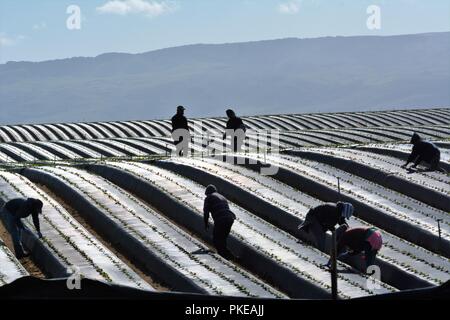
x=277, y=76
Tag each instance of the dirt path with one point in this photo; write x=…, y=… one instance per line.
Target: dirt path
x=88, y=227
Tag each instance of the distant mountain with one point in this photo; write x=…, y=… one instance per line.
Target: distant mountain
x=274, y=76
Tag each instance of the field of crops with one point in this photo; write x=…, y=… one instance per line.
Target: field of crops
x=120, y=208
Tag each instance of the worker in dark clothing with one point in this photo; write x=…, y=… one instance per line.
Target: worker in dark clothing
x=180, y=131
x=324, y=218
x=223, y=217
x=236, y=128
x=13, y=211
x=353, y=241
x=423, y=151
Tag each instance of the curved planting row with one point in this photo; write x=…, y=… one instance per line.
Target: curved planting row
x=15, y=153
x=410, y=258
x=11, y=269
x=124, y=147
x=153, y=128
x=5, y=158
x=146, y=236
x=66, y=244
x=402, y=152
x=390, y=210
x=303, y=260
x=405, y=149
x=37, y=152
x=81, y=150
x=434, y=181
x=60, y=151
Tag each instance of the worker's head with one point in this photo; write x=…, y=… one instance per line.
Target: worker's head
x=230, y=113
x=180, y=109
x=210, y=189
x=415, y=138
x=35, y=205
x=346, y=209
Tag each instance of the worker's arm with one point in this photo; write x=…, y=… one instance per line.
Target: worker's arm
x=206, y=213
x=412, y=156
x=36, y=223
x=418, y=161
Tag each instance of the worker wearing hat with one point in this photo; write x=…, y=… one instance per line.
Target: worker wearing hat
x=180, y=132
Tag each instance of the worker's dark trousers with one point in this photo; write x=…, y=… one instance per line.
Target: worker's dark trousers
x=317, y=234
x=15, y=231
x=222, y=228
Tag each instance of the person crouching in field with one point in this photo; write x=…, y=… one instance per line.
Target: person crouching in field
x=13, y=212
x=354, y=241
x=324, y=218
x=223, y=217
x=423, y=151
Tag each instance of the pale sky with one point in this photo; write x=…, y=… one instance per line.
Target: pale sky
x=36, y=30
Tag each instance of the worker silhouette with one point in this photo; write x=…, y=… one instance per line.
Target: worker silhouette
x=223, y=217
x=13, y=212
x=324, y=218
x=354, y=241
x=236, y=129
x=180, y=132
x=423, y=151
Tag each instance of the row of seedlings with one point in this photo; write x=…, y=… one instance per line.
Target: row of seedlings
x=175, y=248
x=407, y=256
x=75, y=249
x=280, y=246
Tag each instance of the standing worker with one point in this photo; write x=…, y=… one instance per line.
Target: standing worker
x=13, y=211
x=324, y=218
x=353, y=241
x=223, y=219
x=180, y=132
x=236, y=128
x=423, y=151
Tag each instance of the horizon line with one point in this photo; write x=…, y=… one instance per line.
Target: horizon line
x=220, y=43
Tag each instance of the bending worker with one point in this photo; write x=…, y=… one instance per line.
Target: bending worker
x=423, y=151
x=353, y=241
x=15, y=210
x=223, y=217
x=180, y=132
x=236, y=128
x=324, y=218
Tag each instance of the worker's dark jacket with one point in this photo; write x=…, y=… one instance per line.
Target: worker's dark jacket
x=235, y=123
x=426, y=151
x=218, y=206
x=327, y=215
x=21, y=208
x=179, y=122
